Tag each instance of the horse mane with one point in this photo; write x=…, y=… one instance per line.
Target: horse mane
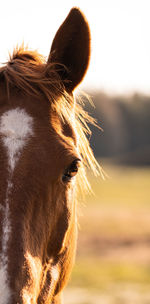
x=29, y=72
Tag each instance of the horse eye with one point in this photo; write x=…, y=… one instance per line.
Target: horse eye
x=71, y=171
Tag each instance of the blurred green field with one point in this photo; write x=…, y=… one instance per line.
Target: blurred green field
x=113, y=256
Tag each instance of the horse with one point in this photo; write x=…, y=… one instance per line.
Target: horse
x=44, y=151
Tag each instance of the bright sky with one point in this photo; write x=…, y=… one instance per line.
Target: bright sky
x=120, y=30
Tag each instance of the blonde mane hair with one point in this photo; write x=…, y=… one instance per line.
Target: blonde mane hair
x=29, y=72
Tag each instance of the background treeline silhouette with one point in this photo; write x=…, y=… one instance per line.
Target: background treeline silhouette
x=125, y=121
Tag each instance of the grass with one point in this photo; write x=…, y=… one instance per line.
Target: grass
x=114, y=236
x=99, y=274
x=124, y=186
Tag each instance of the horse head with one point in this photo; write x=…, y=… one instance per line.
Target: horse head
x=43, y=146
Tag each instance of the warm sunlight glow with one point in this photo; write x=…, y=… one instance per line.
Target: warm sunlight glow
x=120, y=60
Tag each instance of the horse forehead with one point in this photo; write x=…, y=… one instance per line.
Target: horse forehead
x=16, y=123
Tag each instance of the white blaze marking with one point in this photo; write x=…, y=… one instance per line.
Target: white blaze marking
x=15, y=128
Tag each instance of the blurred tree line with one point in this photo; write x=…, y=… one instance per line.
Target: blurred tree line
x=125, y=123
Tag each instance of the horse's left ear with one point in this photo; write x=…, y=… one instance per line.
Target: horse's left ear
x=71, y=49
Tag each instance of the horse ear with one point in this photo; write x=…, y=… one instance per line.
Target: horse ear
x=71, y=49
